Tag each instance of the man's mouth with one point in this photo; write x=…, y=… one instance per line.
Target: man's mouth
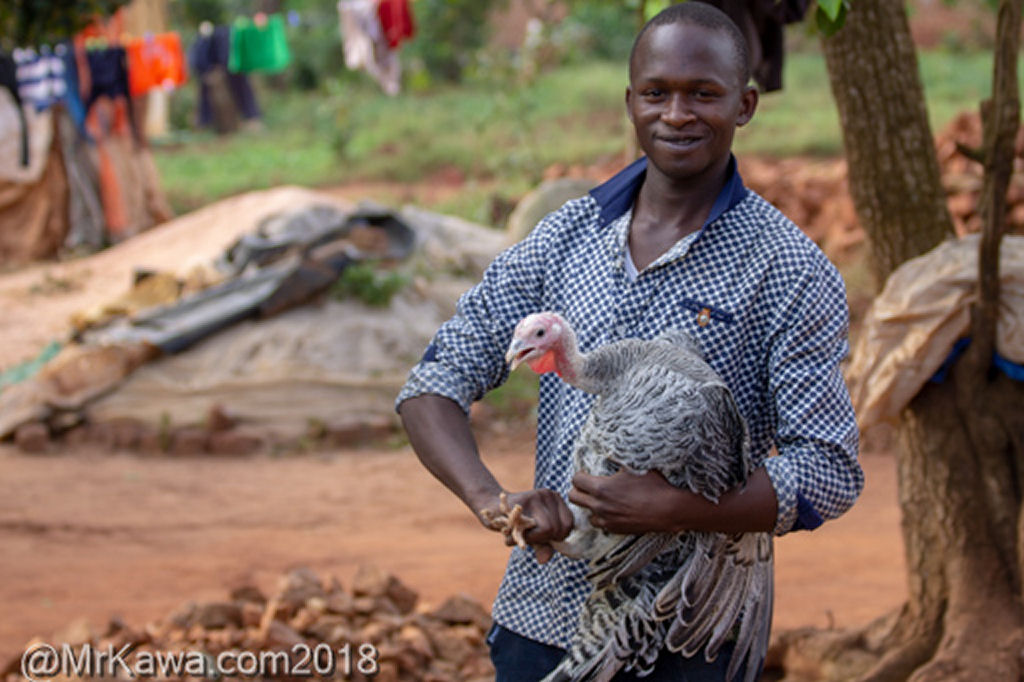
x=679, y=141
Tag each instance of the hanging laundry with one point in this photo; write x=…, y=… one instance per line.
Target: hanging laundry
x=365, y=45
x=34, y=211
x=41, y=80
x=155, y=61
x=86, y=228
x=259, y=45
x=108, y=72
x=762, y=23
x=74, y=60
x=395, y=21
x=208, y=60
x=25, y=135
x=9, y=82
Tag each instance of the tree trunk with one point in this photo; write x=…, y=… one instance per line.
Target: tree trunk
x=961, y=449
x=893, y=171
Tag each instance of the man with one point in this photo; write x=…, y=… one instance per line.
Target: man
x=674, y=241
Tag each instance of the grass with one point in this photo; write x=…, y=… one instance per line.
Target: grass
x=500, y=135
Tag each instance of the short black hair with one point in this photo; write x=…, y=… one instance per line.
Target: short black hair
x=698, y=13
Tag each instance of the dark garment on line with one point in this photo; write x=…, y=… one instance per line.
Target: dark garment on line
x=108, y=70
x=9, y=80
x=209, y=53
x=762, y=22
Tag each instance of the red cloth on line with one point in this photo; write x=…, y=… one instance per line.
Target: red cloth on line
x=155, y=61
x=395, y=21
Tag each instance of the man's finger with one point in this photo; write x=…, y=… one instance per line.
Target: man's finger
x=543, y=553
x=581, y=498
x=585, y=482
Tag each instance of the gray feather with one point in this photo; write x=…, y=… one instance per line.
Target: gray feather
x=661, y=407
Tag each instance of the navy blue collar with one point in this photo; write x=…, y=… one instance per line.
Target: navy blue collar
x=617, y=195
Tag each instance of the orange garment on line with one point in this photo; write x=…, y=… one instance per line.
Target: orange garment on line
x=155, y=61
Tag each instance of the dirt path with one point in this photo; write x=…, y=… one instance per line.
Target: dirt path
x=88, y=535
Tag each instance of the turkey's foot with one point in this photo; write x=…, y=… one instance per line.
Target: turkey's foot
x=511, y=521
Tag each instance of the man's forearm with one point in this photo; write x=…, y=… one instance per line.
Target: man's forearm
x=628, y=503
x=440, y=435
x=752, y=507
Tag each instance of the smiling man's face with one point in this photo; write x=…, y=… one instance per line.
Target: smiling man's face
x=686, y=98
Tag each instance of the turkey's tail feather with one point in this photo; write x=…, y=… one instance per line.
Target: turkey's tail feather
x=706, y=610
x=616, y=632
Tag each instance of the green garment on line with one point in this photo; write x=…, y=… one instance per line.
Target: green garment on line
x=258, y=48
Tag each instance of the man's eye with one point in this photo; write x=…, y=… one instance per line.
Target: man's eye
x=652, y=93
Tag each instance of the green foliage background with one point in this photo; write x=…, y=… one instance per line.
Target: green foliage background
x=34, y=22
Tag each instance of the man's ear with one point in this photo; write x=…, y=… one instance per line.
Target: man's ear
x=629, y=110
x=748, y=105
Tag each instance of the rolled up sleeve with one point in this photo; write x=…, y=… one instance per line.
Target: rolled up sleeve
x=466, y=357
x=816, y=474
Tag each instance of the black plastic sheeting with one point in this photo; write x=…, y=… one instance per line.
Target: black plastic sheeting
x=288, y=260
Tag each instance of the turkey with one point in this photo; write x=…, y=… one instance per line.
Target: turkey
x=659, y=407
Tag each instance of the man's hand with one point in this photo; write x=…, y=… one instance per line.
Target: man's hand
x=627, y=503
x=631, y=504
x=544, y=518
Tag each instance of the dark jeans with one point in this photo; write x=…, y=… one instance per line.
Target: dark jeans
x=518, y=659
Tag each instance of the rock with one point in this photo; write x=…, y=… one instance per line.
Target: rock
x=33, y=438
x=235, y=442
x=304, y=619
x=248, y=592
x=371, y=581
x=252, y=614
x=340, y=603
x=451, y=646
x=413, y=637
x=330, y=629
x=462, y=609
x=298, y=587
x=365, y=606
x=188, y=441
x=388, y=672
x=218, y=615
x=359, y=433
x=280, y=636
x=548, y=197
x=218, y=419
x=183, y=616
x=478, y=668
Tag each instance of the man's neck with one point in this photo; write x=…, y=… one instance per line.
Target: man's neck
x=666, y=211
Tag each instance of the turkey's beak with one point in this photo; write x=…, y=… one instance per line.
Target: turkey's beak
x=517, y=352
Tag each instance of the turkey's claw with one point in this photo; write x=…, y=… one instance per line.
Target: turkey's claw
x=512, y=522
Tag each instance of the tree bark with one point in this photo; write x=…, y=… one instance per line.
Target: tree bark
x=893, y=171
x=961, y=450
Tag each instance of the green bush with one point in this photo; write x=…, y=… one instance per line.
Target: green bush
x=448, y=35
x=366, y=283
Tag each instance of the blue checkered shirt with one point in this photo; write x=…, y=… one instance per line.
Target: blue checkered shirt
x=764, y=303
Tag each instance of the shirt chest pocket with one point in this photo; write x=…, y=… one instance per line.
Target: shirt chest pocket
x=708, y=323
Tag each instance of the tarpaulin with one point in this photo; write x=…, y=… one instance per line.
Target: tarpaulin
x=923, y=310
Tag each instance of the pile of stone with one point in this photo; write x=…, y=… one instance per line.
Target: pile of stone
x=307, y=615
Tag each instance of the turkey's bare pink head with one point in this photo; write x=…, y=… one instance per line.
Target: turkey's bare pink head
x=537, y=340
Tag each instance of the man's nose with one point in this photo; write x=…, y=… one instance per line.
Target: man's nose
x=677, y=111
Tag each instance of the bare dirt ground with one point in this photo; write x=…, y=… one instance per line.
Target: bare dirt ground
x=89, y=534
